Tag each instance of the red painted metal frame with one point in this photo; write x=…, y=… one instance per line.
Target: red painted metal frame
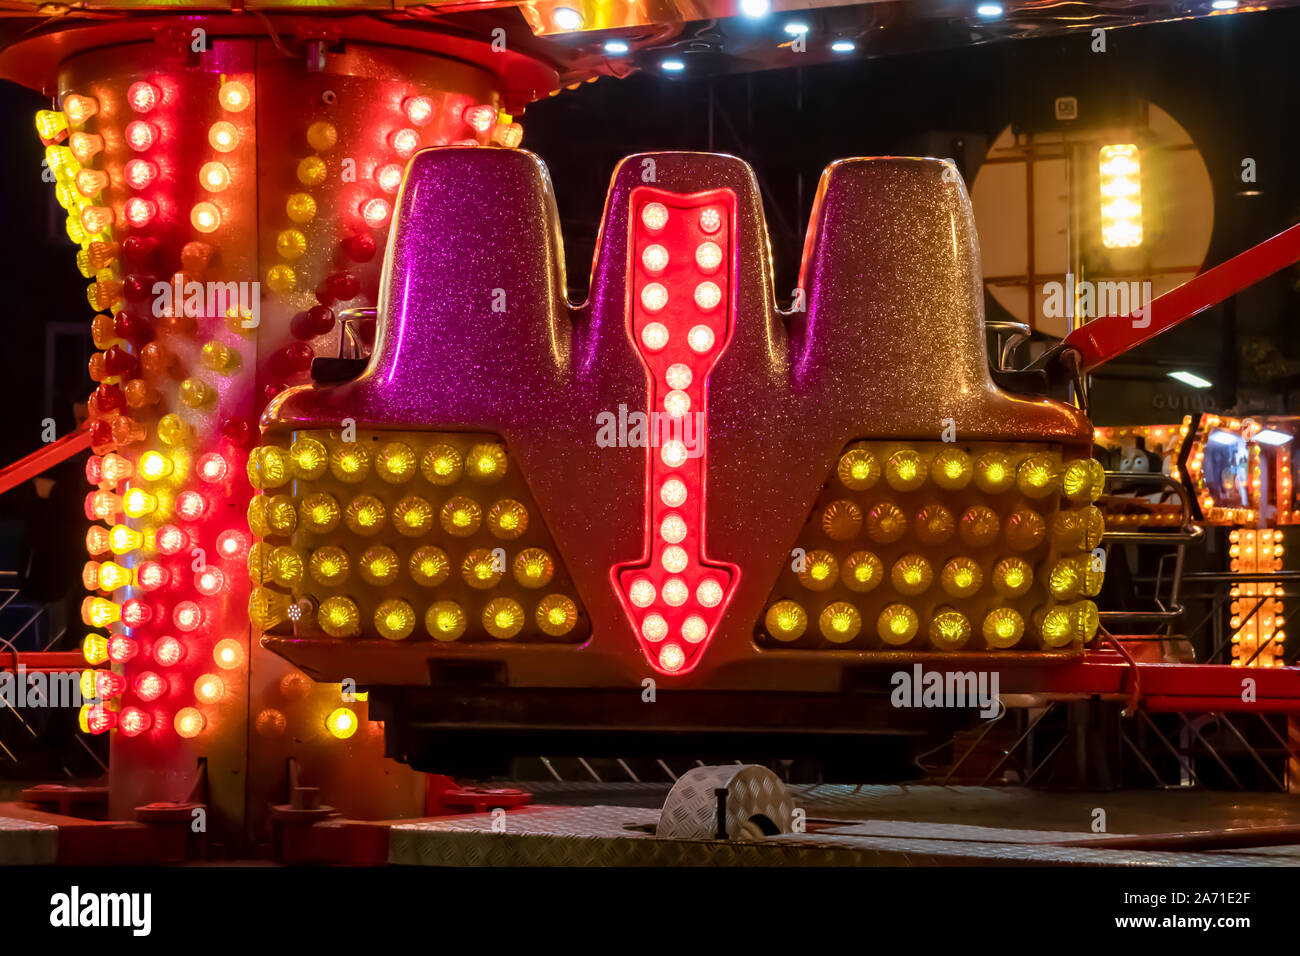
x=1166, y=688
x=49, y=662
x=11, y=476
x=1110, y=336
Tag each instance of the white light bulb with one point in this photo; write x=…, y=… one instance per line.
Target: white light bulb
x=671, y=657
x=654, y=216
x=709, y=593
x=654, y=297
x=654, y=628
x=641, y=593
x=707, y=296
x=674, y=560
x=678, y=375
x=673, y=529
x=700, y=338
x=673, y=453
x=655, y=258
x=655, y=336
x=677, y=403
x=676, y=592
x=710, y=220
x=694, y=629
x=673, y=493
x=708, y=256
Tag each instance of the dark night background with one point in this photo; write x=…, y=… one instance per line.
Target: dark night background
x=1227, y=80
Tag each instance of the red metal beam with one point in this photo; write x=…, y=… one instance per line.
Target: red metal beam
x=1106, y=338
x=39, y=461
x=50, y=662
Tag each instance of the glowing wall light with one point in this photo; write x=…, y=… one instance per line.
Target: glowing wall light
x=674, y=596
x=1121, y=197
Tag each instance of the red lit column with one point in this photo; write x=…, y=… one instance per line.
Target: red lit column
x=681, y=318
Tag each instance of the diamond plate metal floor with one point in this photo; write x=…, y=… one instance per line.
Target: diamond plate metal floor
x=852, y=826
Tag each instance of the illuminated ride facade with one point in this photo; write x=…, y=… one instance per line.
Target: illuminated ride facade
x=494, y=530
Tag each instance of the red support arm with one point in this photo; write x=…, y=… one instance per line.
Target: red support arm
x=38, y=461
x=1110, y=336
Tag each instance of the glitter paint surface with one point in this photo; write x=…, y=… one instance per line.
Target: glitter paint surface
x=474, y=333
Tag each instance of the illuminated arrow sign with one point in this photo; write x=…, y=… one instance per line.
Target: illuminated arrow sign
x=680, y=320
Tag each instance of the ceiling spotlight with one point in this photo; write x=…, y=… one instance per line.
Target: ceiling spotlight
x=989, y=9
x=616, y=47
x=1188, y=378
x=843, y=46
x=567, y=18
x=755, y=8
x=796, y=28
x=1271, y=436
x=672, y=66
x=1224, y=4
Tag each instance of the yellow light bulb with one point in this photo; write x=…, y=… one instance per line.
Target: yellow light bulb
x=1003, y=628
x=285, y=565
x=906, y=470
x=413, y=516
x=820, y=571
x=994, y=473
x=911, y=575
x=897, y=624
x=290, y=244
x=1012, y=577
x=429, y=566
x=533, y=568
x=482, y=569
x=139, y=503
x=1025, y=529
x=442, y=465
x=485, y=463
x=556, y=615
x=934, y=524
x=155, y=466
x=342, y=723
x=507, y=519
x=329, y=565
x=862, y=572
x=951, y=469
x=961, y=577
x=395, y=619
x=269, y=467
x=1037, y=476
x=949, y=629
x=886, y=522
x=339, y=617
x=309, y=457
x=840, y=622
x=460, y=516
x=503, y=618
x=395, y=463
x=445, y=621
x=379, y=565
x=858, y=469
x=786, y=621
x=267, y=608
x=979, y=526
x=365, y=515
x=349, y=462
x=842, y=520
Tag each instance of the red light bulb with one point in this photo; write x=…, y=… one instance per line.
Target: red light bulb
x=190, y=505
x=108, y=685
x=375, y=212
x=231, y=544
x=142, y=96
x=136, y=613
x=212, y=467
x=388, y=177
x=141, y=135
x=139, y=173
x=404, y=142
x=187, y=616
x=94, y=469
x=122, y=648
x=419, y=109
x=139, y=212
x=168, y=651
x=149, y=686
x=151, y=575
x=170, y=540
x=133, y=721
x=209, y=581
x=97, y=719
